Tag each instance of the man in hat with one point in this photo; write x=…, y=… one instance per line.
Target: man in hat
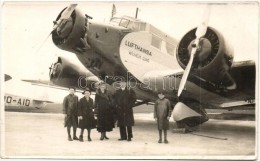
x=124, y=100
x=70, y=109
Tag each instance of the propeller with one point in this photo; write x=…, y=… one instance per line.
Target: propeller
x=64, y=16
x=200, y=32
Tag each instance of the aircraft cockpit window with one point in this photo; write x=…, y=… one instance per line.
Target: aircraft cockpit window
x=124, y=22
x=115, y=21
x=138, y=26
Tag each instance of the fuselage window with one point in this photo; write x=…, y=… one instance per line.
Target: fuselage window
x=156, y=42
x=142, y=26
x=170, y=49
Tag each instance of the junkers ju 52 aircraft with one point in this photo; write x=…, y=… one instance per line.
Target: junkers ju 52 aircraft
x=151, y=60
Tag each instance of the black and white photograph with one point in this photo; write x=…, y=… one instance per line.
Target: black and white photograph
x=129, y=80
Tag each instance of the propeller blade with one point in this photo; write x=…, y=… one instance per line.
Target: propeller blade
x=202, y=27
x=187, y=70
x=41, y=44
x=200, y=32
x=65, y=15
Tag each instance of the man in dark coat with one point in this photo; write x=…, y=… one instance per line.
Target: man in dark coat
x=104, y=110
x=124, y=100
x=70, y=109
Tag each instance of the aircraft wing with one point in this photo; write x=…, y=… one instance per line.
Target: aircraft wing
x=242, y=72
x=45, y=83
x=48, y=84
x=197, y=88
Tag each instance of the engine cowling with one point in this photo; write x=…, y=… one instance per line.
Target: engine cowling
x=70, y=35
x=66, y=74
x=212, y=61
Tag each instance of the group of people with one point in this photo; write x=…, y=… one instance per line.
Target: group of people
x=108, y=109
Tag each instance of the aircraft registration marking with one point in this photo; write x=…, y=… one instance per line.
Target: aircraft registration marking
x=16, y=101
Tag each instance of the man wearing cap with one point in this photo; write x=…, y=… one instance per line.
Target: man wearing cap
x=124, y=100
x=70, y=109
x=162, y=114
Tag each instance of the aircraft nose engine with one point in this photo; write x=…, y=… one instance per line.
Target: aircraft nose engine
x=212, y=61
x=71, y=33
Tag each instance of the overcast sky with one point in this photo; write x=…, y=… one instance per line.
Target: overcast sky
x=25, y=25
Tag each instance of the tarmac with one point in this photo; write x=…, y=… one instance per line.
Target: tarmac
x=42, y=135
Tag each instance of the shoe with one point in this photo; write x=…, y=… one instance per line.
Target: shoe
x=160, y=141
x=121, y=139
x=69, y=138
x=129, y=139
x=89, y=139
x=75, y=138
x=166, y=141
x=102, y=136
x=81, y=138
x=106, y=137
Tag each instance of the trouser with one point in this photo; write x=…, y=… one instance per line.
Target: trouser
x=74, y=131
x=125, y=132
x=165, y=134
x=82, y=132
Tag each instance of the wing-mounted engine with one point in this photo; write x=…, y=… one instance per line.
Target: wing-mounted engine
x=212, y=61
x=70, y=33
x=66, y=74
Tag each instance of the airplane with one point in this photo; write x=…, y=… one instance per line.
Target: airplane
x=151, y=60
x=18, y=96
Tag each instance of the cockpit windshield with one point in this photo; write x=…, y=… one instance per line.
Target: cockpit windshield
x=120, y=22
x=129, y=22
x=115, y=21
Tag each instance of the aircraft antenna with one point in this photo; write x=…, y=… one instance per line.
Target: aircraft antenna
x=113, y=11
x=136, y=12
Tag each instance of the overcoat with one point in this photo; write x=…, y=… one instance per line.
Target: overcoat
x=162, y=110
x=85, y=110
x=104, y=110
x=70, y=108
x=124, y=102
